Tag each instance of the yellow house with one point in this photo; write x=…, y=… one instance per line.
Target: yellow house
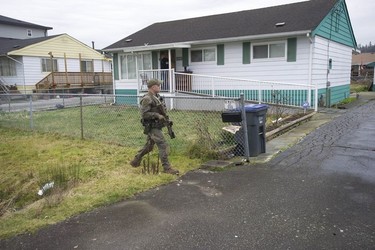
x=57, y=63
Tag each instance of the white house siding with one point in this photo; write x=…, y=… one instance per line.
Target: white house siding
x=269, y=70
x=341, y=56
x=338, y=76
x=33, y=70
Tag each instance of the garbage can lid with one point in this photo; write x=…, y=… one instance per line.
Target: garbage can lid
x=255, y=107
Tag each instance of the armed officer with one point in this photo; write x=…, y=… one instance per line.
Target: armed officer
x=153, y=112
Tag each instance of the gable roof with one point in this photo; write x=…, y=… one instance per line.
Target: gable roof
x=15, y=22
x=301, y=17
x=9, y=44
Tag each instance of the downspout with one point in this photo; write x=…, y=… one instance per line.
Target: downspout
x=310, y=73
x=328, y=84
x=23, y=72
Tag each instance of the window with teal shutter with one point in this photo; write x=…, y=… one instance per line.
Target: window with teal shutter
x=246, y=52
x=292, y=50
x=220, y=54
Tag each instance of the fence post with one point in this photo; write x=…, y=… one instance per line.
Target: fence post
x=9, y=102
x=244, y=127
x=259, y=93
x=81, y=113
x=31, y=111
x=316, y=99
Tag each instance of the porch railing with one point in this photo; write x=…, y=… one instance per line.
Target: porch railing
x=288, y=94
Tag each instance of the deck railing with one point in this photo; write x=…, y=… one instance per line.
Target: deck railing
x=63, y=80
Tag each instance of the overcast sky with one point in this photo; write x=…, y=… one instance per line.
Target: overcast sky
x=106, y=22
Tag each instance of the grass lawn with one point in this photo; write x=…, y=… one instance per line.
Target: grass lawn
x=86, y=174
x=92, y=172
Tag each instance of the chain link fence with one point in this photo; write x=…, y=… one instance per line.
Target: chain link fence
x=197, y=121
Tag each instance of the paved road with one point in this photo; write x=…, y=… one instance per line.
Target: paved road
x=319, y=194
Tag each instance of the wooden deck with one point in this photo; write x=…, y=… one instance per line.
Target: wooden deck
x=74, y=80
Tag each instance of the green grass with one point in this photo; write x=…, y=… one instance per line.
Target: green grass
x=347, y=100
x=94, y=173
x=360, y=86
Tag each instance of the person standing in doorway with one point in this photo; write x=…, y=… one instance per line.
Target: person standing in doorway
x=153, y=120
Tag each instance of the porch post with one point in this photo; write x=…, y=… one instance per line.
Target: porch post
x=80, y=69
x=66, y=71
x=170, y=70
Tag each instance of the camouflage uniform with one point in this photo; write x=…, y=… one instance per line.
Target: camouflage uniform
x=150, y=111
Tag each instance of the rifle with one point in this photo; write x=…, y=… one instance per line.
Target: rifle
x=168, y=123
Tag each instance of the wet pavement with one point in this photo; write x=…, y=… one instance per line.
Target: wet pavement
x=317, y=194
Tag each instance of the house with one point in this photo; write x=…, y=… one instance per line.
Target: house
x=308, y=43
x=17, y=29
x=363, y=65
x=49, y=63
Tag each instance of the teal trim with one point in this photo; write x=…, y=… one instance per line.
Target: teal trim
x=185, y=57
x=115, y=66
x=293, y=97
x=292, y=50
x=336, y=26
x=335, y=94
x=155, y=60
x=130, y=98
x=220, y=54
x=339, y=93
x=246, y=52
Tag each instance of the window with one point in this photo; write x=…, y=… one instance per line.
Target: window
x=29, y=33
x=130, y=62
x=47, y=65
x=271, y=50
x=7, y=67
x=87, y=66
x=203, y=55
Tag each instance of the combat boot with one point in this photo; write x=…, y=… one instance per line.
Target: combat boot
x=135, y=163
x=171, y=171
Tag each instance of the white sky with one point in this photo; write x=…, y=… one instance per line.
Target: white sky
x=106, y=22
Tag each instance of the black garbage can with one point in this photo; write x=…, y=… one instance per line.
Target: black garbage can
x=256, y=115
x=256, y=128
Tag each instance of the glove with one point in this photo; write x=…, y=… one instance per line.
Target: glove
x=161, y=118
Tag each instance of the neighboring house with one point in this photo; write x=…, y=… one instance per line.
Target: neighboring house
x=308, y=42
x=57, y=63
x=363, y=65
x=13, y=28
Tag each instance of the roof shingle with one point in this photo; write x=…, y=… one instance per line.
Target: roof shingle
x=297, y=17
